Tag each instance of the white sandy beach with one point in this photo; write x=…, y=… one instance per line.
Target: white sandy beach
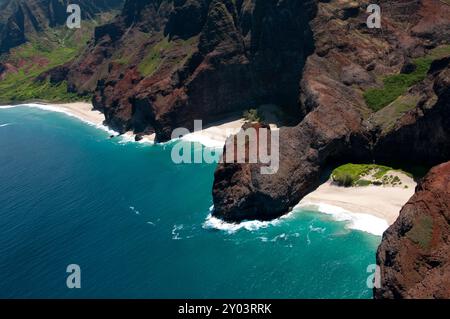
x=213, y=136
x=368, y=208
x=216, y=134
x=81, y=110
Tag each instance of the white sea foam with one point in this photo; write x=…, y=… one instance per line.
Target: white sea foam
x=206, y=141
x=212, y=222
x=5, y=125
x=176, y=232
x=57, y=109
x=316, y=229
x=359, y=221
x=131, y=138
x=134, y=210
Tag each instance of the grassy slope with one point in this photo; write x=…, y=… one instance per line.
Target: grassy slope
x=397, y=84
x=153, y=59
x=43, y=52
x=164, y=51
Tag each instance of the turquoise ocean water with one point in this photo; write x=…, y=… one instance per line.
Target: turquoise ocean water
x=135, y=224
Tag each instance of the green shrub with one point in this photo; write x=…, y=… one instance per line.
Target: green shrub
x=253, y=115
x=353, y=175
x=363, y=182
x=345, y=180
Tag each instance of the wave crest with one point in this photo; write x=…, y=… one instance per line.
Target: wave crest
x=358, y=221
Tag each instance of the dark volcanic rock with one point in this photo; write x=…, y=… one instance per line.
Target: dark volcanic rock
x=408, y=67
x=414, y=253
x=355, y=74
x=337, y=126
x=422, y=135
x=55, y=75
x=232, y=55
x=330, y=131
x=6, y=68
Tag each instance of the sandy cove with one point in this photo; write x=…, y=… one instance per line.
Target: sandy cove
x=354, y=204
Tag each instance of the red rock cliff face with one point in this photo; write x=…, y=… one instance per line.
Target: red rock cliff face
x=414, y=255
x=162, y=64
x=338, y=126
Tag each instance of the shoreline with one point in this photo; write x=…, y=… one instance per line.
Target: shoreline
x=371, y=209
x=212, y=136
x=368, y=208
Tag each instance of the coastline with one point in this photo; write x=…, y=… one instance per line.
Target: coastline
x=82, y=111
x=368, y=208
x=213, y=136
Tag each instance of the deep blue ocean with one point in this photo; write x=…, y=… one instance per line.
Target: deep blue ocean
x=135, y=224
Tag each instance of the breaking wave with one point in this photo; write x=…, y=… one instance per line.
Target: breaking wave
x=359, y=221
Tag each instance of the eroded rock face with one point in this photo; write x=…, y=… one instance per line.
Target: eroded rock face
x=338, y=126
x=414, y=254
x=232, y=56
x=240, y=192
x=422, y=135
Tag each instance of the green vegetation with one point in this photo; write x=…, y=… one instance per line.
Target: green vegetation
x=422, y=232
x=163, y=51
x=125, y=60
x=27, y=90
x=362, y=182
x=397, y=84
x=154, y=58
x=388, y=116
x=45, y=51
x=364, y=175
x=253, y=115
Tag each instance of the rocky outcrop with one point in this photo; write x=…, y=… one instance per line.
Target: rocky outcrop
x=19, y=19
x=422, y=135
x=414, y=254
x=330, y=131
x=224, y=60
x=55, y=75
x=6, y=68
x=337, y=125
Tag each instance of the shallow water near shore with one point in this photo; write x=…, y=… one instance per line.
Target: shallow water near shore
x=137, y=225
